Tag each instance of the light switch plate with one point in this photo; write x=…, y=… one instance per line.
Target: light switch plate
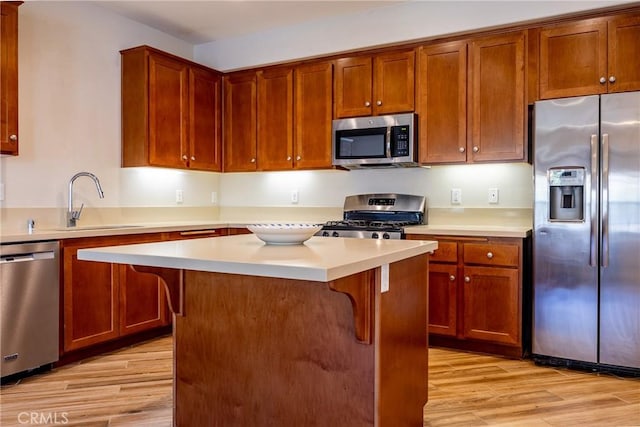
x=456, y=196
x=493, y=196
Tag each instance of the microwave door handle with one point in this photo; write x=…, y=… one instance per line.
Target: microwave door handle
x=388, y=143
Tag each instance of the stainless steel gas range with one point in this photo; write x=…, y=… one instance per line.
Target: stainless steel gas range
x=377, y=216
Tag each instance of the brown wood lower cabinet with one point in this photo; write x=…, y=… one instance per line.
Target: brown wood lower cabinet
x=478, y=294
x=103, y=302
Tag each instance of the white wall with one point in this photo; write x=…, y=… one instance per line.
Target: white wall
x=328, y=188
x=404, y=21
x=69, y=112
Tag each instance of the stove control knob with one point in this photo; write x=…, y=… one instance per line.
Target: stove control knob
x=375, y=236
x=325, y=234
x=386, y=236
x=335, y=234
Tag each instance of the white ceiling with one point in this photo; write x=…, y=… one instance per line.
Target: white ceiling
x=207, y=20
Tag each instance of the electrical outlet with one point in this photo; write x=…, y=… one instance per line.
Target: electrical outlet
x=179, y=196
x=493, y=195
x=214, y=197
x=456, y=196
x=294, y=196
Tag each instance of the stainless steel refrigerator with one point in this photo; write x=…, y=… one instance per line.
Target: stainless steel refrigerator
x=586, y=266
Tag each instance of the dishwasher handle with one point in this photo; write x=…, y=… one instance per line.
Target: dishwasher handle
x=6, y=259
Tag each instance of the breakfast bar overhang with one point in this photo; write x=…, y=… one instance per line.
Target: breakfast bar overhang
x=330, y=332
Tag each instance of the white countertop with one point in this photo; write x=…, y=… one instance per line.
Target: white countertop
x=485, y=230
x=318, y=259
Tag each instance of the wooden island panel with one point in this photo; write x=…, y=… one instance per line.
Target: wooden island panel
x=267, y=351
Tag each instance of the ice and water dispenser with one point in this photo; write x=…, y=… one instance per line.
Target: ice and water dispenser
x=566, y=194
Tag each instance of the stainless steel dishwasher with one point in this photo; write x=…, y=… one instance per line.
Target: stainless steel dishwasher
x=29, y=300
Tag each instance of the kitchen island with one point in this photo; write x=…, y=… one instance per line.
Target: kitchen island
x=331, y=332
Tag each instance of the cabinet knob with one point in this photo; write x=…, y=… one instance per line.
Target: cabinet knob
x=489, y=255
x=476, y=149
x=13, y=138
x=612, y=79
x=379, y=103
x=288, y=158
x=298, y=158
x=467, y=279
x=367, y=104
x=452, y=278
x=193, y=157
x=603, y=80
x=253, y=160
x=461, y=149
x=184, y=157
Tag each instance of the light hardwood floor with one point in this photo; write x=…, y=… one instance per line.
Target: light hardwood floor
x=132, y=387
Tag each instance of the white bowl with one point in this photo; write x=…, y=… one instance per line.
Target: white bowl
x=284, y=234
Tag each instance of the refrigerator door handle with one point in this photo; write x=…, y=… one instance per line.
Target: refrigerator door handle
x=593, y=248
x=604, y=262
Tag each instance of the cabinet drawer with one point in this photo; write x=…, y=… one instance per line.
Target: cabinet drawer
x=446, y=252
x=491, y=254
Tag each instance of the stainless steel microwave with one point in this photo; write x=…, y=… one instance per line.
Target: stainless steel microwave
x=376, y=141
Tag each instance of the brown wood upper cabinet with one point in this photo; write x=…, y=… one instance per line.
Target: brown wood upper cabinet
x=171, y=111
x=471, y=100
x=590, y=57
x=9, y=77
x=260, y=111
x=373, y=85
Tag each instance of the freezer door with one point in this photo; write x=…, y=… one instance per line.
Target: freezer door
x=620, y=257
x=565, y=323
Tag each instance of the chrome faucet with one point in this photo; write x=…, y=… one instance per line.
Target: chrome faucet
x=73, y=216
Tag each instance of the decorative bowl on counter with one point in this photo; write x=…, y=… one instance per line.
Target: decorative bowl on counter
x=284, y=234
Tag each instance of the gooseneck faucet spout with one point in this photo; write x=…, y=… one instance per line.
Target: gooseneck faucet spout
x=73, y=216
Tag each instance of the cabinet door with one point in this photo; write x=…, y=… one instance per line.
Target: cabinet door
x=168, y=111
x=442, y=103
x=9, y=78
x=240, y=122
x=624, y=56
x=353, y=86
x=205, y=120
x=90, y=297
x=492, y=304
x=394, y=83
x=443, y=286
x=275, y=119
x=497, y=98
x=312, y=115
x=573, y=59
x=142, y=301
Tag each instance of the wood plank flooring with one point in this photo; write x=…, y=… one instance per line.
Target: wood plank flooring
x=132, y=387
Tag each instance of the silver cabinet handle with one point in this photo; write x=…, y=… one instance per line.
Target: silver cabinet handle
x=367, y=104
x=489, y=255
x=193, y=157
x=476, y=149
x=604, y=262
x=467, y=279
x=379, y=103
x=298, y=158
x=612, y=79
x=184, y=157
x=452, y=278
x=603, y=80
x=13, y=137
x=288, y=158
x=461, y=149
x=253, y=160
x=593, y=248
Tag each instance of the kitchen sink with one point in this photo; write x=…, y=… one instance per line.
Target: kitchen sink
x=97, y=227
